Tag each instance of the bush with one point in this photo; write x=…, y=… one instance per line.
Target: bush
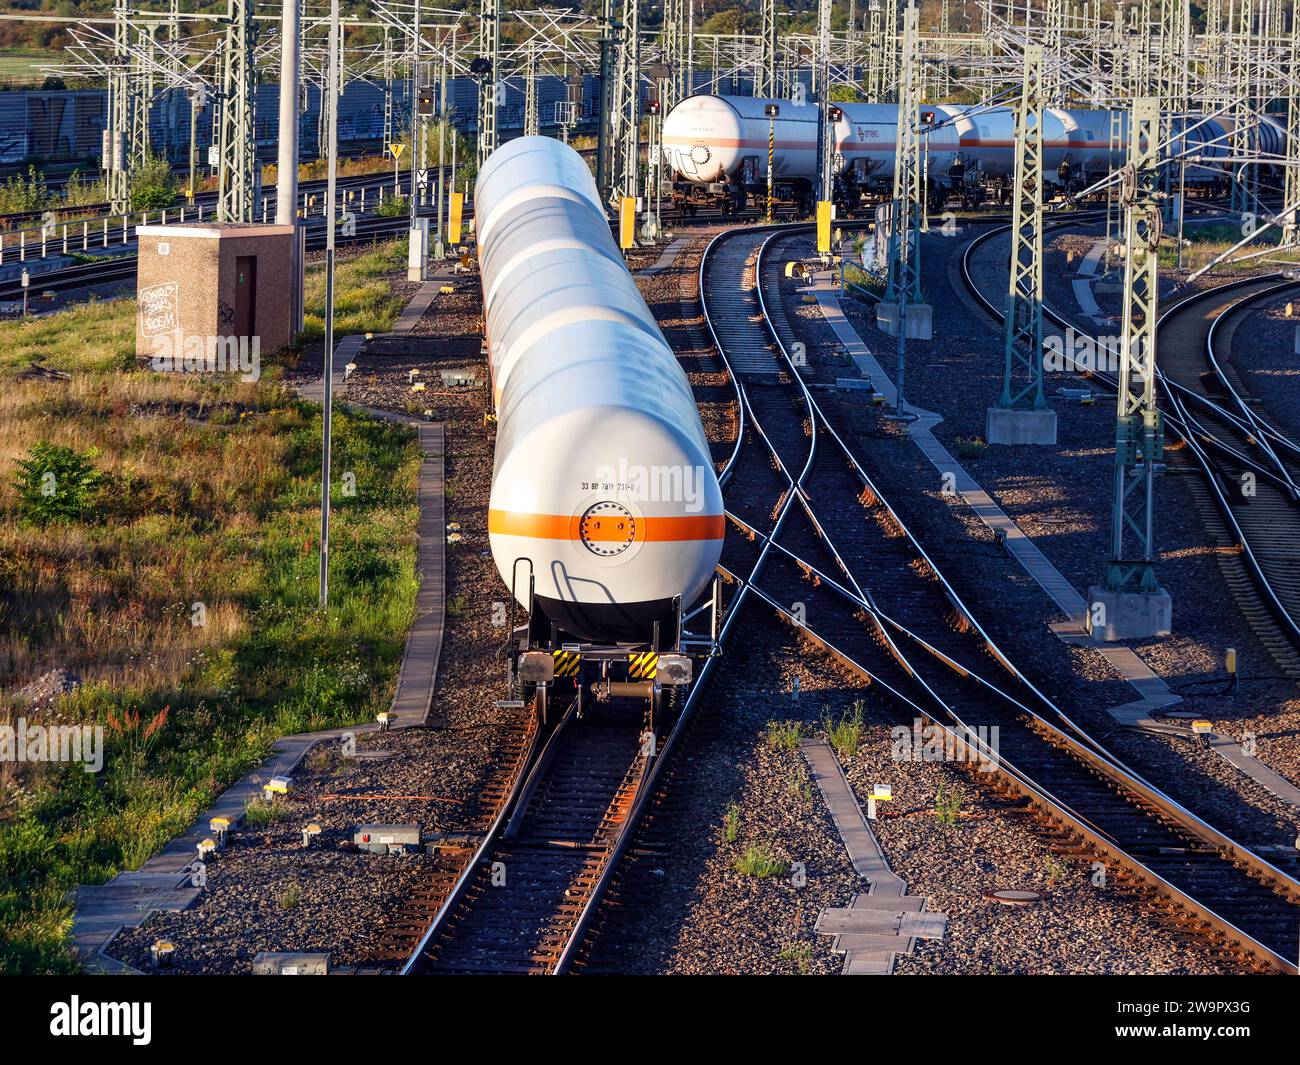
x=971, y=447
x=947, y=804
x=56, y=483
x=83, y=191
x=846, y=733
x=152, y=188
x=24, y=193
x=393, y=207
x=784, y=735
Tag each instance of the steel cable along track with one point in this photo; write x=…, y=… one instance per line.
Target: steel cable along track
x=1232, y=447
x=872, y=597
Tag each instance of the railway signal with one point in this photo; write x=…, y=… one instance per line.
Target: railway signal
x=773, y=112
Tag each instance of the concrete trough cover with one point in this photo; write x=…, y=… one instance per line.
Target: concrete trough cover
x=276, y=963
x=1013, y=897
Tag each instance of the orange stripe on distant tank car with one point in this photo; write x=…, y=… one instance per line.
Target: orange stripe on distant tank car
x=560, y=527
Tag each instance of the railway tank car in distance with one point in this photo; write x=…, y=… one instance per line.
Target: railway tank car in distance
x=605, y=517
x=716, y=149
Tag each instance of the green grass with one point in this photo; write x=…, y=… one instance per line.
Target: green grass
x=845, y=734
x=21, y=65
x=948, y=800
x=784, y=735
x=260, y=812
x=798, y=953
x=761, y=861
x=364, y=300
x=799, y=784
x=731, y=823
x=212, y=497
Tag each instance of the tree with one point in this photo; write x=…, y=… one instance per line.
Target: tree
x=152, y=187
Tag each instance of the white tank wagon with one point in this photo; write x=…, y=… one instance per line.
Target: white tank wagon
x=716, y=149
x=605, y=517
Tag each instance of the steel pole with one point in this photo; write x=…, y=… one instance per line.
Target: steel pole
x=286, y=181
x=327, y=399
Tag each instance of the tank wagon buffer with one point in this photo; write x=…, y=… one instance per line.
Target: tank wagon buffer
x=716, y=148
x=605, y=516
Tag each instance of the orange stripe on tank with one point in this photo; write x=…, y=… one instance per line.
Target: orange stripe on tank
x=562, y=527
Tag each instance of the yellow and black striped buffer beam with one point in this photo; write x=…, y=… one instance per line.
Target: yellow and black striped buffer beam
x=642, y=664
x=566, y=663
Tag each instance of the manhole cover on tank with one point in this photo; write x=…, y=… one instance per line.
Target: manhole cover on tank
x=1010, y=897
x=607, y=529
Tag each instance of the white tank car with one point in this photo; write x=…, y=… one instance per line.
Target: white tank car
x=867, y=134
x=603, y=480
x=712, y=138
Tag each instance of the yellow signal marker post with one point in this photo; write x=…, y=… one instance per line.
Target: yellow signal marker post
x=397, y=149
x=627, y=222
x=453, y=223
x=824, y=211
x=879, y=793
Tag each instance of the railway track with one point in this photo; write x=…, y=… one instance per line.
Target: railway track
x=123, y=267
x=846, y=571
x=528, y=899
x=520, y=911
x=813, y=529
x=13, y=221
x=455, y=862
x=1248, y=496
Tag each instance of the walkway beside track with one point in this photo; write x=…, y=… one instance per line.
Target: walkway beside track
x=1153, y=693
x=413, y=697
x=163, y=881
x=885, y=921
